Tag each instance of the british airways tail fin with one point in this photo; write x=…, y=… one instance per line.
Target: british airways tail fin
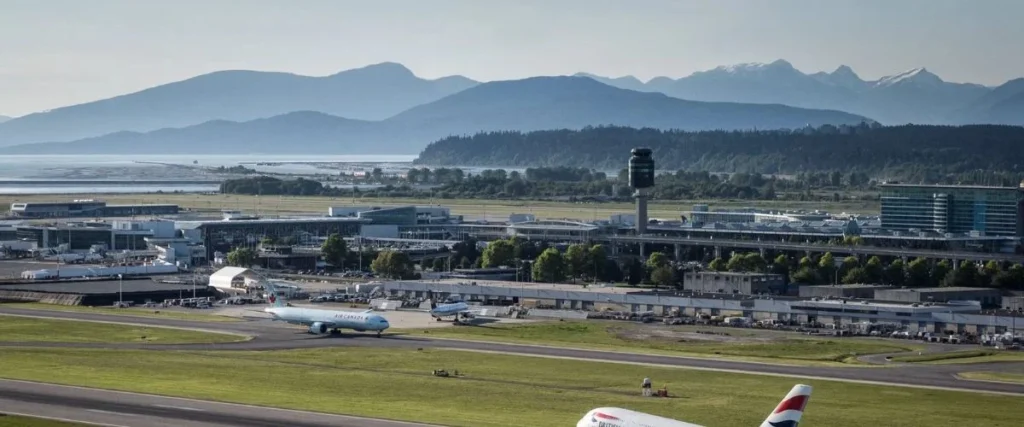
x=789, y=411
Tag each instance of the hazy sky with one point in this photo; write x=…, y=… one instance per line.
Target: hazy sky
x=60, y=52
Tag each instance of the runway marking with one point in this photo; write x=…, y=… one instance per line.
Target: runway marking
x=214, y=402
x=64, y=420
x=183, y=408
x=740, y=371
x=100, y=411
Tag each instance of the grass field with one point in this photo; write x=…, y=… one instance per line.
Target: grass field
x=495, y=390
x=966, y=356
x=18, y=421
x=132, y=312
x=469, y=207
x=27, y=329
x=1007, y=377
x=748, y=344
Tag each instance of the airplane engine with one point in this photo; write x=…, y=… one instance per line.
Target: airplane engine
x=318, y=328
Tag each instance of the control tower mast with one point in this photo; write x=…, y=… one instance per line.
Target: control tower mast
x=641, y=178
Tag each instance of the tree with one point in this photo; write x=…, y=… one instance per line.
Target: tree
x=939, y=272
x=575, y=260
x=242, y=257
x=597, y=258
x=656, y=259
x=392, y=264
x=549, y=267
x=849, y=263
x=827, y=268
x=663, y=276
x=334, y=250
x=918, y=273
x=440, y=264
x=1011, y=279
x=805, y=276
x=718, y=264
x=856, y=275
x=498, y=253
x=967, y=275
x=780, y=266
x=465, y=262
x=895, y=273
x=805, y=262
x=874, y=270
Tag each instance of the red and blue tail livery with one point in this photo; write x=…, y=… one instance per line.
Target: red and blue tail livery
x=786, y=414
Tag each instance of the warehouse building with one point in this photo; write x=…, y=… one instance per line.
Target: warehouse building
x=722, y=282
x=86, y=208
x=987, y=296
x=863, y=291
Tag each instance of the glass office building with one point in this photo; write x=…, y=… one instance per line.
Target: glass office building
x=994, y=211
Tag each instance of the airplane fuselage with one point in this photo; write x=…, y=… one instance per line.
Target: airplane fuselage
x=445, y=310
x=332, y=319
x=618, y=417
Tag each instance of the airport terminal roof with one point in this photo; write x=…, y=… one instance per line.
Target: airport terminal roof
x=98, y=287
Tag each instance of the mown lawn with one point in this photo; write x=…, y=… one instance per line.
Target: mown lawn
x=30, y=329
x=493, y=388
x=133, y=311
x=764, y=345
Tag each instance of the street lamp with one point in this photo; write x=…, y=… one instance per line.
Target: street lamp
x=120, y=290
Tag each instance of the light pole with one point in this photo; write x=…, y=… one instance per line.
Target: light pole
x=120, y=290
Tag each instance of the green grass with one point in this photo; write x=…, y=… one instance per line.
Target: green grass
x=28, y=329
x=471, y=207
x=495, y=389
x=965, y=356
x=133, y=312
x=19, y=421
x=753, y=344
x=1006, y=377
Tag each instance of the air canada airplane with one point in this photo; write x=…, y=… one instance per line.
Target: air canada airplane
x=786, y=414
x=321, y=321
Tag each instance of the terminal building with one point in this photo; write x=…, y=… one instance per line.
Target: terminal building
x=992, y=211
x=572, y=301
x=86, y=208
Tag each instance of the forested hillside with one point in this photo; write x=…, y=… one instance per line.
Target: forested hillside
x=977, y=154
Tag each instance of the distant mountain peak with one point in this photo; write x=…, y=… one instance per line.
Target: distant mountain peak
x=919, y=75
x=755, y=67
x=846, y=72
x=383, y=69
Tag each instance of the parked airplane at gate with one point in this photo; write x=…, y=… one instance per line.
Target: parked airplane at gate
x=321, y=321
x=451, y=309
x=786, y=414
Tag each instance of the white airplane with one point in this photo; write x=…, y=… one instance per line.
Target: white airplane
x=321, y=321
x=457, y=309
x=786, y=414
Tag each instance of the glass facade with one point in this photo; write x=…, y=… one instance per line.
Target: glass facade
x=995, y=211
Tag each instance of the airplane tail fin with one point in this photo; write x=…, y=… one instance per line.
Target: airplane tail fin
x=790, y=409
x=273, y=298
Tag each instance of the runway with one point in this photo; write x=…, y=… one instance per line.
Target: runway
x=131, y=410
x=122, y=409
x=271, y=336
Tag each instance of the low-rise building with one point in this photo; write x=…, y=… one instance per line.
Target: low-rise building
x=860, y=290
x=734, y=283
x=987, y=296
x=1013, y=303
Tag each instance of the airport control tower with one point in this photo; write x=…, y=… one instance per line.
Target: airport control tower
x=641, y=178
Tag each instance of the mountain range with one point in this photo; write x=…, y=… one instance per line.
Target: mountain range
x=4, y=119
x=915, y=96
x=385, y=107
x=536, y=103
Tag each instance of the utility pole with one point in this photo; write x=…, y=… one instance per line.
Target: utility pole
x=120, y=290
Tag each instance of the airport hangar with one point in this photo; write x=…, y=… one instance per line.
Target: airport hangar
x=574, y=301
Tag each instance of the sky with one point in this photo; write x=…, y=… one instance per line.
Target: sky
x=55, y=53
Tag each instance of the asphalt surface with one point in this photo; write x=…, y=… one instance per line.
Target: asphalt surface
x=268, y=335
x=144, y=410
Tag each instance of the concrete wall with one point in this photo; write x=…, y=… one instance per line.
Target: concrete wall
x=746, y=284
x=986, y=296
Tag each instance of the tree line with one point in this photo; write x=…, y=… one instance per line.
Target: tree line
x=565, y=182
x=975, y=154
x=541, y=262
